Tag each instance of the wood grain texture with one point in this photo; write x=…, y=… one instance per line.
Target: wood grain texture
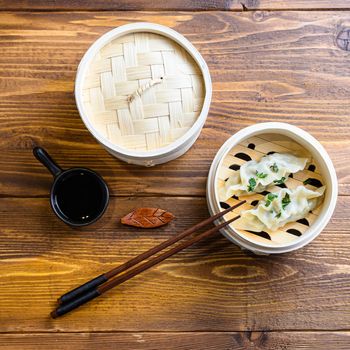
x=275, y=66
x=265, y=66
x=175, y=5
x=178, y=340
x=213, y=286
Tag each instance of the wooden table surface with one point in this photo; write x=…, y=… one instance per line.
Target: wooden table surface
x=270, y=60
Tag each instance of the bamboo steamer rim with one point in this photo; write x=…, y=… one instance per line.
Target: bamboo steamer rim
x=177, y=144
x=314, y=147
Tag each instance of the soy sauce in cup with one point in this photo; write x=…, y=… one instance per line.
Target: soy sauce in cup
x=79, y=196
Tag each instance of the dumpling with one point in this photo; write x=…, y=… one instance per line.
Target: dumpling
x=280, y=208
x=255, y=177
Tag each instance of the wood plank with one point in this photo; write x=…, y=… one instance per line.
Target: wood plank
x=121, y=5
x=178, y=340
x=296, y=4
x=175, y=5
x=281, y=66
x=213, y=286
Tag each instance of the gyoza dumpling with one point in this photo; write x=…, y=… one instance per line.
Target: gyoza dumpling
x=278, y=209
x=255, y=177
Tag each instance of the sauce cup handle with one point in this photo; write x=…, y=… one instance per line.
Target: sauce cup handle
x=42, y=156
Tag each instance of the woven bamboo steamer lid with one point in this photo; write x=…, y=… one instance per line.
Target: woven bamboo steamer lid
x=143, y=91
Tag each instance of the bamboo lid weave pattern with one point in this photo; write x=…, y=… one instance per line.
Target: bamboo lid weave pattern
x=142, y=91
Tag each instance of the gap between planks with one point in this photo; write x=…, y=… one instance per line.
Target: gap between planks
x=142, y=195
x=345, y=330
x=164, y=10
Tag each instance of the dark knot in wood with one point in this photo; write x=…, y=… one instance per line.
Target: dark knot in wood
x=343, y=39
x=260, y=16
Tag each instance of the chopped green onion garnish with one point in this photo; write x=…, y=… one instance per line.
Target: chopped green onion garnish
x=285, y=201
x=252, y=184
x=307, y=181
x=280, y=181
x=260, y=175
x=274, y=168
x=270, y=197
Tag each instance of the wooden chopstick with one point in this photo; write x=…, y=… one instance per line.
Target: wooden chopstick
x=93, y=292
x=119, y=269
x=135, y=271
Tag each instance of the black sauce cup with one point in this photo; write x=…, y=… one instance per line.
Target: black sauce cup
x=79, y=196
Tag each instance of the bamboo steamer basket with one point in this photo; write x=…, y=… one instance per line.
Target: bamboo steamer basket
x=143, y=91
x=254, y=142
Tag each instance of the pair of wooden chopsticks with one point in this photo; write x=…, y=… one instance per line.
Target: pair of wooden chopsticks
x=112, y=278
